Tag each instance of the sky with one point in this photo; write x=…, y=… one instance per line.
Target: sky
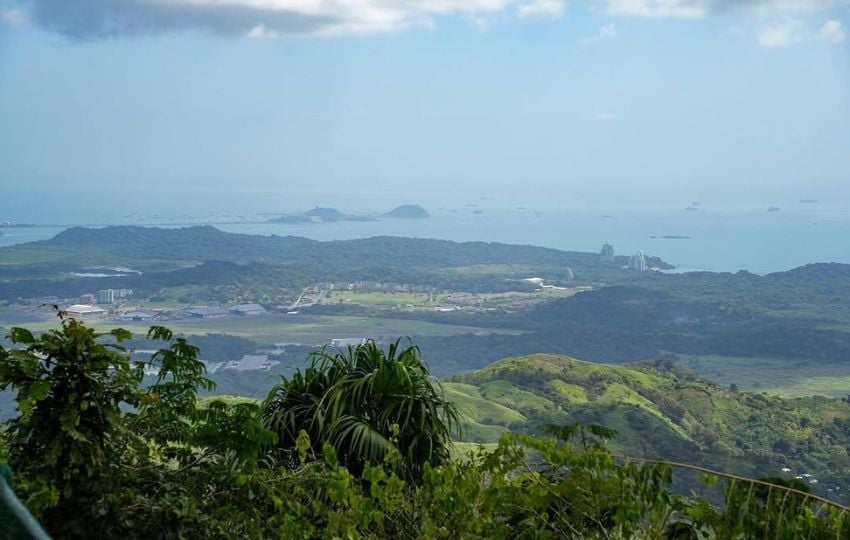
x=644, y=99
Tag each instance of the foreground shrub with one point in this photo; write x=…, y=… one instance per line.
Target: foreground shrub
x=366, y=403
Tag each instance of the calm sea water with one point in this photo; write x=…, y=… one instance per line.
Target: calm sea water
x=722, y=237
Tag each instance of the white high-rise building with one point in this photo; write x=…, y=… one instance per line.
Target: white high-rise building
x=606, y=255
x=638, y=262
x=105, y=296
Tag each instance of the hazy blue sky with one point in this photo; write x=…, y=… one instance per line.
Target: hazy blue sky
x=681, y=98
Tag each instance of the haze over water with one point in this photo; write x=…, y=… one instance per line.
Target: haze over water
x=723, y=236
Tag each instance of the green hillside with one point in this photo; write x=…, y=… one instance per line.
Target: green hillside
x=662, y=413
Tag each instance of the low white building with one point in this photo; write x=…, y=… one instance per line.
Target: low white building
x=84, y=310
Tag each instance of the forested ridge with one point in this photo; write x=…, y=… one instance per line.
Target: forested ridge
x=629, y=324
x=42, y=268
x=200, y=243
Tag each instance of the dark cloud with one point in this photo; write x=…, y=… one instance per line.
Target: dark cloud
x=97, y=19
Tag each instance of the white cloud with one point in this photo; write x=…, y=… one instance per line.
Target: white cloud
x=606, y=117
x=13, y=17
x=775, y=6
x=656, y=8
x=541, y=8
x=609, y=31
x=260, y=32
x=833, y=32
x=782, y=34
x=701, y=8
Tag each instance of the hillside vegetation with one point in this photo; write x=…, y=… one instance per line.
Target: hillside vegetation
x=661, y=414
x=267, y=268
x=113, y=244
x=355, y=445
x=632, y=323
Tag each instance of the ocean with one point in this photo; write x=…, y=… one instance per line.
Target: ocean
x=709, y=236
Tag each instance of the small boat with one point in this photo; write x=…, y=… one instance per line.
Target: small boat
x=773, y=209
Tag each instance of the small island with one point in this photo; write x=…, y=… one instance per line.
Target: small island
x=321, y=215
x=408, y=211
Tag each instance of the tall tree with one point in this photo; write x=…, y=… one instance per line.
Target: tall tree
x=367, y=403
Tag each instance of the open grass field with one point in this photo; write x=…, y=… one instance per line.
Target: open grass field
x=34, y=254
x=786, y=378
x=492, y=269
x=383, y=299
x=409, y=300
x=306, y=329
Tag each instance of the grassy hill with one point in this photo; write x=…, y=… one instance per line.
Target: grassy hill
x=663, y=414
x=657, y=413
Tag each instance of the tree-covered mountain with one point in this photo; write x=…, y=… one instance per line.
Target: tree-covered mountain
x=628, y=324
x=206, y=256
x=817, y=290
x=151, y=246
x=661, y=413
